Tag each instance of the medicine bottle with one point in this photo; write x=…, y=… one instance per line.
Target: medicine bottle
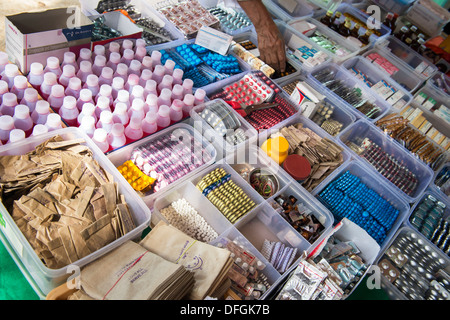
x=85, y=55
x=70, y=59
x=146, y=75
x=123, y=96
x=85, y=97
x=176, y=110
x=98, y=65
x=188, y=84
x=106, y=121
x=152, y=103
x=199, y=95
x=106, y=76
x=113, y=47
x=116, y=138
x=140, y=53
x=137, y=93
x=100, y=139
x=169, y=66
x=165, y=97
x=56, y=97
x=74, y=87
x=132, y=81
x=150, y=88
x=133, y=131
x=105, y=91
x=156, y=58
x=10, y=72
x=6, y=125
x=126, y=45
x=19, y=86
x=39, y=129
x=92, y=84
x=87, y=125
x=30, y=97
x=87, y=110
x=16, y=135
x=188, y=102
x=50, y=80
x=85, y=70
x=178, y=76
x=117, y=85
x=99, y=50
x=163, y=120
x=41, y=112
x=149, y=124
x=22, y=119
x=53, y=122
x=137, y=109
x=147, y=63
x=121, y=71
x=69, y=111
x=120, y=114
x=36, y=74
x=102, y=105
x=135, y=67
x=127, y=57
x=158, y=73
x=177, y=92
x=166, y=83
x=113, y=61
x=9, y=101
x=53, y=65
x=67, y=73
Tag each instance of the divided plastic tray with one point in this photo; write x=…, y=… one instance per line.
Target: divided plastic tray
x=290, y=10
x=362, y=129
x=45, y=278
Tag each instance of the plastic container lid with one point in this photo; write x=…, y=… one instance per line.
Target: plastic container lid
x=88, y=109
x=188, y=84
x=178, y=73
x=50, y=78
x=165, y=94
x=121, y=108
x=141, y=43
x=85, y=53
x=151, y=85
x=85, y=94
x=92, y=80
x=6, y=123
x=140, y=50
x=100, y=135
x=123, y=95
x=42, y=107
x=36, y=68
x=69, y=71
x=152, y=99
x=147, y=62
x=118, y=83
x=75, y=83
x=135, y=65
x=114, y=47
x=115, y=57
x=297, y=167
x=85, y=66
x=164, y=111
x=137, y=91
x=127, y=44
x=99, y=49
x=151, y=117
x=69, y=57
x=53, y=120
x=16, y=135
x=103, y=102
x=100, y=61
x=159, y=70
x=39, y=129
x=107, y=73
x=9, y=99
x=156, y=55
x=128, y=54
x=117, y=129
x=20, y=82
x=133, y=79
x=177, y=90
x=177, y=105
x=70, y=102
x=189, y=99
x=200, y=94
x=11, y=70
x=146, y=74
x=137, y=104
x=135, y=123
x=105, y=90
x=122, y=69
x=106, y=116
x=57, y=91
x=21, y=111
x=30, y=94
x=88, y=122
x=53, y=62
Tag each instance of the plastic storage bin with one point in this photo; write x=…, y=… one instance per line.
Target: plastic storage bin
x=289, y=10
x=395, y=6
x=361, y=130
x=424, y=264
x=403, y=76
x=47, y=279
x=373, y=182
x=350, y=81
x=442, y=187
x=373, y=75
x=440, y=82
x=120, y=156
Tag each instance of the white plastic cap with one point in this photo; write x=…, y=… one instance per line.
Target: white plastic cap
x=3, y=58
x=36, y=68
x=69, y=71
x=86, y=66
x=118, y=83
x=87, y=122
x=16, y=135
x=85, y=53
x=114, y=47
x=120, y=108
x=11, y=70
x=146, y=74
x=156, y=55
x=107, y=73
x=114, y=57
x=189, y=99
x=100, y=61
x=42, y=107
x=100, y=135
x=141, y=51
x=106, y=116
x=75, y=83
x=152, y=99
x=30, y=94
x=122, y=69
x=9, y=99
x=151, y=85
x=20, y=82
x=133, y=79
x=177, y=105
x=178, y=90
x=123, y=95
x=57, y=91
x=99, y=49
x=39, y=129
x=53, y=120
x=138, y=104
x=3, y=87
x=147, y=62
x=159, y=70
x=188, y=84
x=135, y=65
x=53, y=62
x=135, y=122
x=105, y=90
x=169, y=65
x=21, y=111
x=50, y=78
x=70, y=102
x=165, y=94
x=138, y=91
x=117, y=129
x=178, y=73
x=92, y=80
x=6, y=123
x=103, y=102
x=88, y=109
x=85, y=94
x=151, y=117
x=127, y=44
x=69, y=57
x=164, y=111
x=140, y=43
x=167, y=80
x=200, y=94
x=128, y=54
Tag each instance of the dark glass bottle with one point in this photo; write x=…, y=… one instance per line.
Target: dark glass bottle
x=334, y=23
x=344, y=28
x=365, y=37
x=327, y=19
x=402, y=34
x=388, y=20
x=354, y=32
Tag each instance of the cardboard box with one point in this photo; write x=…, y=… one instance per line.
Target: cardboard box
x=33, y=37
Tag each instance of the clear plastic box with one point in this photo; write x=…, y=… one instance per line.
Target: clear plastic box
x=444, y=189
x=45, y=278
x=361, y=130
x=395, y=6
x=120, y=156
x=374, y=75
x=441, y=82
x=290, y=10
x=404, y=76
x=372, y=181
x=352, y=82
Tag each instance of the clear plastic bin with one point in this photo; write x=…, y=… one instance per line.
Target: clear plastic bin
x=440, y=82
x=45, y=278
x=406, y=56
x=289, y=10
x=405, y=233
x=374, y=75
x=444, y=189
x=222, y=145
x=372, y=181
x=404, y=76
x=361, y=130
x=395, y=6
x=120, y=156
x=351, y=82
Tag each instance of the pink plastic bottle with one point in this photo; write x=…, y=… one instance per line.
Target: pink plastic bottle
x=106, y=121
x=50, y=80
x=140, y=43
x=53, y=122
x=150, y=88
x=123, y=96
x=146, y=75
x=188, y=102
x=16, y=135
x=10, y=72
x=69, y=111
x=100, y=139
x=85, y=70
x=53, y=65
x=6, y=125
x=39, y=129
x=188, y=84
x=147, y=63
x=132, y=81
x=20, y=84
x=149, y=124
x=85, y=55
x=87, y=125
x=156, y=58
x=74, y=87
x=177, y=92
x=41, y=112
x=102, y=105
x=4, y=60
x=127, y=57
x=169, y=66
x=9, y=102
x=68, y=73
x=99, y=50
x=135, y=67
x=30, y=97
x=140, y=53
x=199, y=96
x=22, y=119
x=176, y=110
x=88, y=110
x=120, y=114
x=117, y=85
x=113, y=47
x=137, y=109
x=85, y=97
x=137, y=93
x=134, y=131
x=122, y=71
x=92, y=84
x=178, y=76
x=152, y=103
x=70, y=59
x=163, y=120
x=3, y=89
x=158, y=73
x=126, y=45
x=56, y=97
x=98, y=65
x=165, y=97
x=166, y=83
x=114, y=60
x=106, y=77
x=105, y=91
x=116, y=138
x=36, y=74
